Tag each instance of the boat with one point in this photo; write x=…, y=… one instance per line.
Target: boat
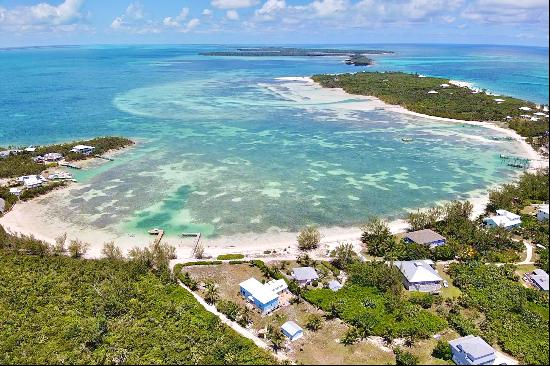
x=154, y=231
x=407, y=139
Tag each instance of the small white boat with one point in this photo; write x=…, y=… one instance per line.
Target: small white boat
x=154, y=231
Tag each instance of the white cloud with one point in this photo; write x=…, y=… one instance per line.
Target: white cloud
x=233, y=4
x=176, y=21
x=270, y=9
x=134, y=20
x=207, y=12
x=232, y=15
x=507, y=11
x=66, y=16
x=324, y=8
x=192, y=24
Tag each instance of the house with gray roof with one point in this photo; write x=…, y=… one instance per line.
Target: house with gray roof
x=539, y=279
x=292, y=330
x=305, y=275
x=419, y=275
x=472, y=350
x=425, y=237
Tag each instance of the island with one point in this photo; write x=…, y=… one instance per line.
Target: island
x=441, y=97
x=353, y=57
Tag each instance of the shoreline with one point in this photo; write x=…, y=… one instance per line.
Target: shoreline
x=27, y=219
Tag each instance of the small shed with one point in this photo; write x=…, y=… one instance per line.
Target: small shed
x=334, y=285
x=305, y=275
x=292, y=330
x=425, y=237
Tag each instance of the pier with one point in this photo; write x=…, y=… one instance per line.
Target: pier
x=104, y=157
x=197, y=237
x=159, y=236
x=69, y=165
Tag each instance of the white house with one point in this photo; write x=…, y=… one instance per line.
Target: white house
x=504, y=219
x=539, y=278
x=542, y=213
x=16, y=191
x=83, y=149
x=33, y=181
x=432, y=92
x=292, y=330
x=264, y=296
x=419, y=275
x=52, y=157
x=524, y=109
x=471, y=350
x=30, y=149
x=334, y=285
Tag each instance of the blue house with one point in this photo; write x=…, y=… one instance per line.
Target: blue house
x=471, y=350
x=262, y=296
x=425, y=237
x=292, y=330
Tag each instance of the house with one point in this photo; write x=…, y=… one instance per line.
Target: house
x=52, y=157
x=425, y=237
x=504, y=219
x=334, y=285
x=4, y=154
x=419, y=275
x=472, y=350
x=542, y=213
x=305, y=275
x=33, y=181
x=30, y=149
x=16, y=191
x=539, y=279
x=261, y=295
x=38, y=159
x=524, y=109
x=432, y=92
x=83, y=149
x=292, y=330
x=445, y=85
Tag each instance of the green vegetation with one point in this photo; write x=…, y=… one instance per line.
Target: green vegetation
x=101, y=311
x=442, y=350
x=373, y=303
x=202, y=263
x=223, y=257
x=411, y=91
x=9, y=199
x=404, y=357
x=23, y=164
x=29, y=194
x=515, y=317
x=309, y=238
x=531, y=188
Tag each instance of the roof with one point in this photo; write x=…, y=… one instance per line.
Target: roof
x=305, y=274
x=418, y=271
x=2, y=205
x=291, y=328
x=52, y=155
x=276, y=285
x=32, y=180
x=83, y=147
x=334, y=285
x=425, y=236
x=474, y=346
x=540, y=278
x=508, y=214
x=543, y=208
x=259, y=291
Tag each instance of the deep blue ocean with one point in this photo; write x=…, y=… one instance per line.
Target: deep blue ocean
x=220, y=152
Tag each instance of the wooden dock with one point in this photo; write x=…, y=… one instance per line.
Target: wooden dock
x=69, y=165
x=197, y=237
x=104, y=157
x=159, y=237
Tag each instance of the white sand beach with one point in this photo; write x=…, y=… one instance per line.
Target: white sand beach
x=32, y=218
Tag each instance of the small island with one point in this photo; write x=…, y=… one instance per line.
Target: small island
x=353, y=57
x=440, y=97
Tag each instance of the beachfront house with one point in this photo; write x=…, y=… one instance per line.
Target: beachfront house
x=539, y=279
x=265, y=297
x=16, y=191
x=305, y=275
x=542, y=213
x=52, y=157
x=425, y=237
x=472, y=350
x=33, y=181
x=334, y=285
x=83, y=149
x=504, y=219
x=4, y=154
x=419, y=275
x=292, y=330
x=30, y=149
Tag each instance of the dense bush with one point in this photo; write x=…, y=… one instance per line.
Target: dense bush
x=309, y=238
x=223, y=257
x=514, y=316
x=67, y=311
x=442, y=350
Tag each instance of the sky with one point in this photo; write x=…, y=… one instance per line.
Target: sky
x=49, y=22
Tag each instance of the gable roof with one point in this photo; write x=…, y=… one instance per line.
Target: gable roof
x=540, y=278
x=305, y=274
x=425, y=236
x=418, y=271
x=291, y=328
x=474, y=347
x=258, y=290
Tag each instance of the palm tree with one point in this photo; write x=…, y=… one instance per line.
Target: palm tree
x=211, y=294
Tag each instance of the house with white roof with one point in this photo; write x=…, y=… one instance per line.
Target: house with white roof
x=4, y=154
x=503, y=218
x=539, y=279
x=542, y=212
x=292, y=330
x=334, y=285
x=16, y=191
x=30, y=149
x=472, y=350
x=33, y=181
x=83, y=149
x=264, y=296
x=433, y=92
x=305, y=275
x=52, y=157
x=524, y=109
x=419, y=275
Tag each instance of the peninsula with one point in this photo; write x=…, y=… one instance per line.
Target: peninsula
x=353, y=57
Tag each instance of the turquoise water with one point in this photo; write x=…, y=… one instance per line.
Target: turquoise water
x=223, y=148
